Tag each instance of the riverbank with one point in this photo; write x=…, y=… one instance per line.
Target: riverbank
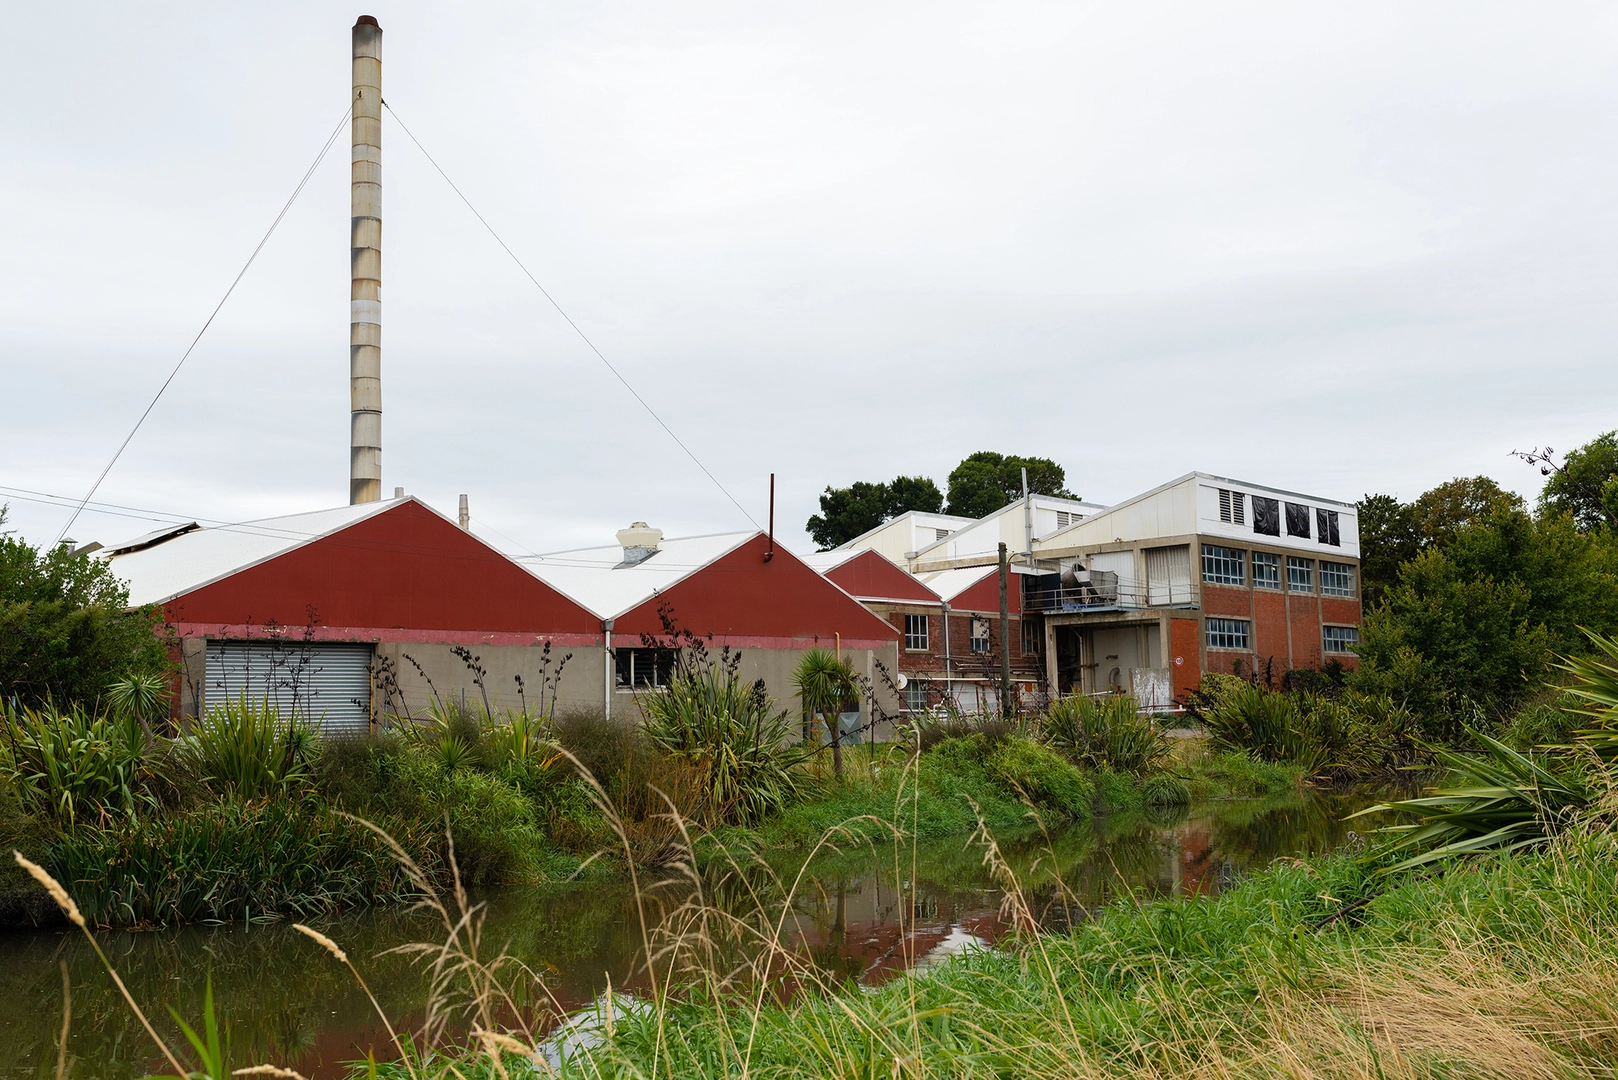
x=1503, y=968
x=865, y=911
x=183, y=840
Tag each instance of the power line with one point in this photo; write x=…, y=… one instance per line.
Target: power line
x=569, y=319
x=242, y=273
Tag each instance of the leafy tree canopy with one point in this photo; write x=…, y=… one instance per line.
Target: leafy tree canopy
x=986, y=481
x=1586, y=484
x=848, y=512
x=1444, y=511
x=65, y=629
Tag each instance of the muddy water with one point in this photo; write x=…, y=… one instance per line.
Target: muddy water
x=860, y=915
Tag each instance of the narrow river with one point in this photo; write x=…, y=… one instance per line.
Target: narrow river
x=862, y=914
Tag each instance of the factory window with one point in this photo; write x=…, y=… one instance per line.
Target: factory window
x=1336, y=579
x=916, y=633
x=1033, y=636
x=1227, y=633
x=916, y=695
x=1223, y=565
x=1300, y=574
x=1232, y=507
x=1266, y=570
x=1266, y=516
x=1340, y=639
x=980, y=635
x=1326, y=528
x=1298, y=520
x=641, y=669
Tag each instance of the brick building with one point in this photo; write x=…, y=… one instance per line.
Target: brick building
x=1201, y=574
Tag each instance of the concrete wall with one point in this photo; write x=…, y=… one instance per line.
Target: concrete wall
x=583, y=682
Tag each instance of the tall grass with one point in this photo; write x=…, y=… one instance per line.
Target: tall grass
x=1315, y=970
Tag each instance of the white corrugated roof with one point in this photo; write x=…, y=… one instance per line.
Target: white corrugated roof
x=187, y=562
x=823, y=561
x=952, y=583
x=594, y=579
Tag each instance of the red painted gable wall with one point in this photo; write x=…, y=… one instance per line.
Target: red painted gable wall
x=405, y=568
x=870, y=575
x=985, y=595
x=742, y=596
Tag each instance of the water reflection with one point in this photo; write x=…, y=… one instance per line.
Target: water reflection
x=860, y=916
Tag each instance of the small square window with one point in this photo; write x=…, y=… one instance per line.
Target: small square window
x=1300, y=574
x=1336, y=579
x=1223, y=565
x=643, y=669
x=1266, y=570
x=1298, y=520
x=1228, y=633
x=916, y=633
x=916, y=695
x=1339, y=639
x=980, y=635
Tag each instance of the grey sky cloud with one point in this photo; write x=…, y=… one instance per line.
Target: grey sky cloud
x=1340, y=248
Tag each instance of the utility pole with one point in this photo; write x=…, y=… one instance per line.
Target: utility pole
x=1005, y=627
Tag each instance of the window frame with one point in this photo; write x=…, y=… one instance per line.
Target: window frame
x=1271, y=560
x=1326, y=642
x=911, y=635
x=1346, y=571
x=1214, y=555
x=973, y=637
x=1227, y=629
x=1299, y=520
x=626, y=671
x=1307, y=568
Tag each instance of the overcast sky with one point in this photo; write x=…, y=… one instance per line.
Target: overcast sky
x=1334, y=248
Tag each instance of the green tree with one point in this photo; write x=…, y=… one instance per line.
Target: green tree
x=827, y=685
x=986, y=481
x=849, y=512
x=66, y=631
x=1585, y=485
x=1444, y=511
x=1388, y=539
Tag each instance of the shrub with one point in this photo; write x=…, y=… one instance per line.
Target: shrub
x=248, y=750
x=992, y=730
x=497, y=841
x=602, y=747
x=226, y=860
x=1165, y=789
x=74, y=765
x=1042, y=775
x=1267, y=725
x=732, y=737
x=1108, y=733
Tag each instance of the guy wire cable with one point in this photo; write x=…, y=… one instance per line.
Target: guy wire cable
x=243, y=272
x=582, y=336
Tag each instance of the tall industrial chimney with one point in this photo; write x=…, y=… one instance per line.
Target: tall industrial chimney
x=365, y=298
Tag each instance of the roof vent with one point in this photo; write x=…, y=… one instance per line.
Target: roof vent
x=639, y=542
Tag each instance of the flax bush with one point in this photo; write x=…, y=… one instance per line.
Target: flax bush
x=1108, y=733
x=735, y=738
x=249, y=750
x=74, y=765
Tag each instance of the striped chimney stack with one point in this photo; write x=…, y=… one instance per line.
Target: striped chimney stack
x=365, y=298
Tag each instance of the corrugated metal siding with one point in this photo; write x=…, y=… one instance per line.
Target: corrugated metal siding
x=1168, y=574
x=329, y=683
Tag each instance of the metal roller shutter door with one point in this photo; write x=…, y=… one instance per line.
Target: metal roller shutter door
x=329, y=683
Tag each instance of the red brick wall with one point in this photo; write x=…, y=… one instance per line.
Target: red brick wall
x=1304, y=615
x=1270, y=627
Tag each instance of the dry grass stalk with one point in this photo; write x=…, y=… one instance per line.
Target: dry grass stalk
x=269, y=1070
